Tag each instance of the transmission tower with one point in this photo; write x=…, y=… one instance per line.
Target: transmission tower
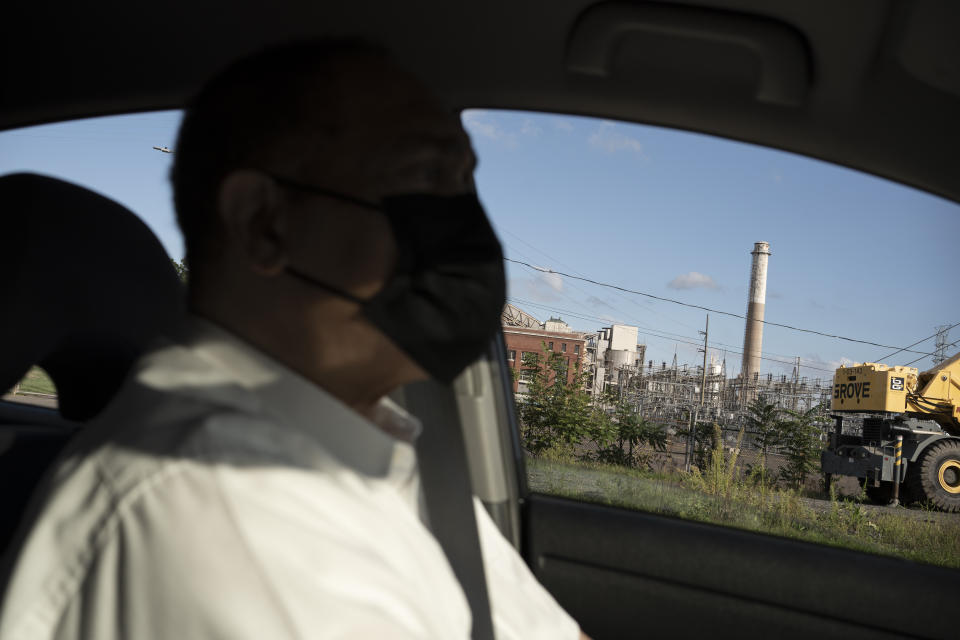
x=940, y=347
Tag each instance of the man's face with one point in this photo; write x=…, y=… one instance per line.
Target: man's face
x=391, y=137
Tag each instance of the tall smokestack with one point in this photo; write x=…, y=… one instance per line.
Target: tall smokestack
x=753, y=334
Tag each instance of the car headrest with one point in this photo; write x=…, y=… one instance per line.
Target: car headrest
x=85, y=287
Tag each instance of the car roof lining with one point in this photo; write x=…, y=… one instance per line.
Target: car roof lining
x=881, y=97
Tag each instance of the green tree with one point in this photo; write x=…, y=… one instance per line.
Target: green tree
x=703, y=440
x=556, y=410
x=629, y=432
x=802, y=442
x=763, y=420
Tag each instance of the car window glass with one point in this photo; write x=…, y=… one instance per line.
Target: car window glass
x=126, y=158
x=36, y=388
x=608, y=226
x=622, y=239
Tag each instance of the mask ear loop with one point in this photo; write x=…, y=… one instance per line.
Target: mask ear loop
x=320, y=284
x=309, y=188
x=299, y=186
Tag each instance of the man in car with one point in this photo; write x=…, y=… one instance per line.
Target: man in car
x=251, y=480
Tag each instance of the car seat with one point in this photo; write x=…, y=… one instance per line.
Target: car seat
x=85, y=288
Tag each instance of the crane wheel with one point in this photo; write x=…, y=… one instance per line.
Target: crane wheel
x=937, y=475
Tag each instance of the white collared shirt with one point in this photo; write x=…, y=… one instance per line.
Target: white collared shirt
x=221, y=495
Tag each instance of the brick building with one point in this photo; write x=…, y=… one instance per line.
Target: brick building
x=525, y=349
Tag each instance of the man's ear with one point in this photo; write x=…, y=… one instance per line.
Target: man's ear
x=248, y=208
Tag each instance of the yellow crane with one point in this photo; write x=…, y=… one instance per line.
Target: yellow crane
x=906, y=433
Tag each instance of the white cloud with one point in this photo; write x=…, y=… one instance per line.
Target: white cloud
x=487, y=124
x=562, y=124
x=693, y=280
x=824, y=366
x=553, y=280
x=541, y=287
x=607, y=138
x=844, y=361
x=482, y=124
x=530, y=128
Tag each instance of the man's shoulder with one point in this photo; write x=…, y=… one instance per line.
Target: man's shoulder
x=175, y=396
x=180, y=411
x=146, y=437
x=155, y=463
x=141, y=442
x=172, y=412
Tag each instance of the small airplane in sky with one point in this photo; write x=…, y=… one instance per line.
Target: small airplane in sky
x=163, y=149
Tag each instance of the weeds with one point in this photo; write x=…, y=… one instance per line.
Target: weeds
x=37, y=381
x=718, y=494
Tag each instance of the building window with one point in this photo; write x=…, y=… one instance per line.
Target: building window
x=511, y=355
x=576, y=348
x=563, y=347
x=525, y=377
x=550, y=346
x=530, y=359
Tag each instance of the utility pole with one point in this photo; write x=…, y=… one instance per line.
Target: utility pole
x=723, y=382
x=796, y=381
x=706, y=335
x=695, y=413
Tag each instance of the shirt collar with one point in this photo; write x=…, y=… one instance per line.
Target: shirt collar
x=382, y=448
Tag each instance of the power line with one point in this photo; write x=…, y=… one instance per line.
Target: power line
x=657, y=334
x=952, y=344
x=710, y=309
x=646, y=331
x=649, y=330
x=579, y=303
x=916, y=343
x=623, y=314
x=940, y=348
x=563, y=264
x=561, y=292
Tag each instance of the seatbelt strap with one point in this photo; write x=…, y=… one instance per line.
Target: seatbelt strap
x=445, y=480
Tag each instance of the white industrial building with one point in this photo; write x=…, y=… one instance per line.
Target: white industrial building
x=613, y=355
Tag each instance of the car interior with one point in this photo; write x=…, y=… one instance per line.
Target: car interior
x=85, y=326
x=869, y=84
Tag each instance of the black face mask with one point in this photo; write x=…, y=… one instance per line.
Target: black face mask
x=442, y=304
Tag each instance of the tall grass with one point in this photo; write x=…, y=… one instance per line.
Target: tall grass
x=37, y=381
x=721, y=494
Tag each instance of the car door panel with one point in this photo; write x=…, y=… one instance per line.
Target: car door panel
x=623, y=574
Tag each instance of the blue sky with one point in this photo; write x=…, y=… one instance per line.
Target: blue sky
x=670, y=213
x=661, y=211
